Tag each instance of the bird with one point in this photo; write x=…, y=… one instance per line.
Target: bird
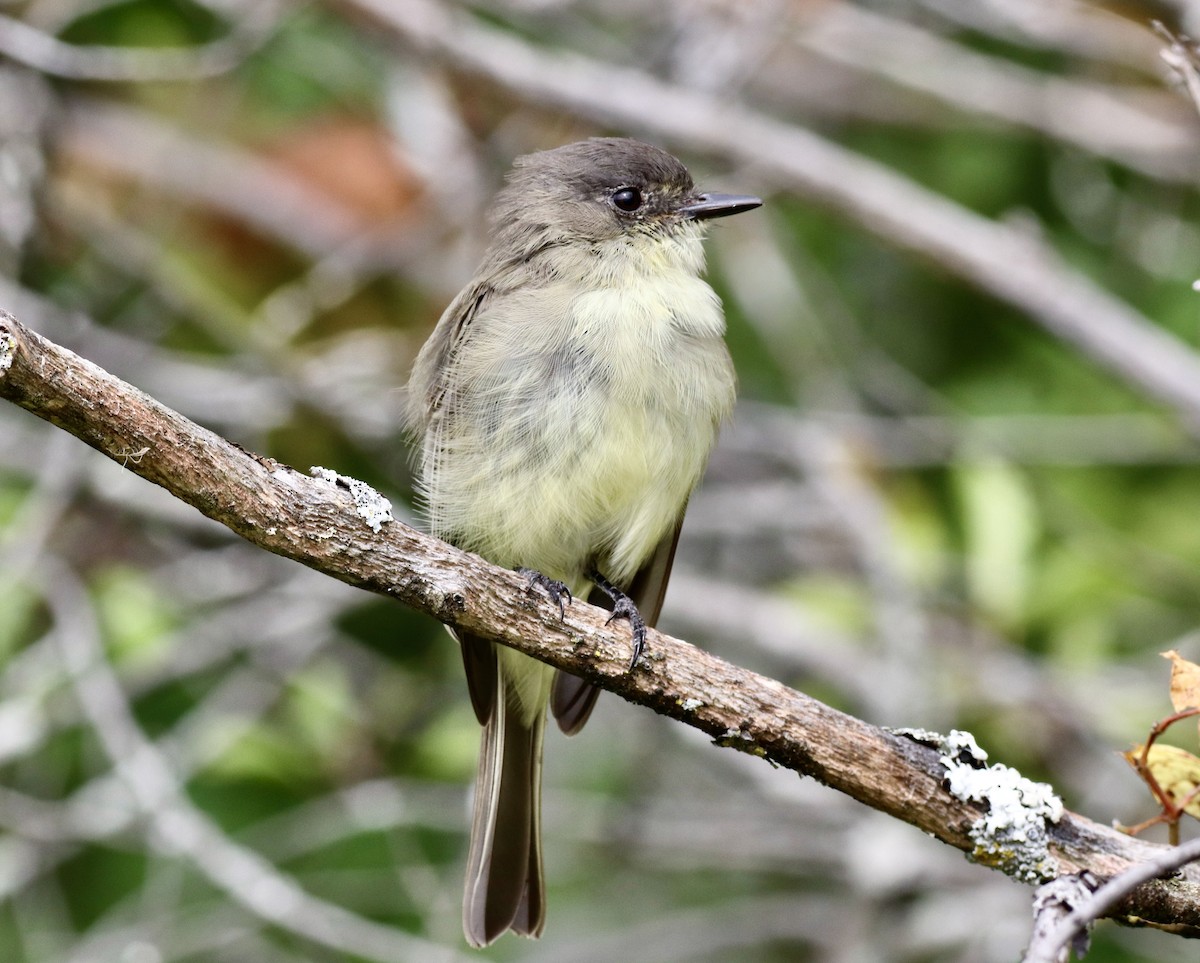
x=565, y=407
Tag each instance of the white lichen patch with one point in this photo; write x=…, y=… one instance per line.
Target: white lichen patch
x=961, y=745
x=1012, y=834
x=368, y=503
x=8, y=351
x=927, y=737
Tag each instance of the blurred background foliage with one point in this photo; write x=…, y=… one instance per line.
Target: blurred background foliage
x=934, y=508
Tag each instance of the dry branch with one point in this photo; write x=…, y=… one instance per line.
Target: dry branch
x=314, y=522
x=47, y=54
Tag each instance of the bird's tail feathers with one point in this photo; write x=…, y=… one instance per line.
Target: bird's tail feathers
x=505, y=887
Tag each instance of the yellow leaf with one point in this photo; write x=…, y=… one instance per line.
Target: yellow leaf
x=1176, y=770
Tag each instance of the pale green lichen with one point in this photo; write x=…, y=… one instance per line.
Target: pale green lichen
x=1012, y=835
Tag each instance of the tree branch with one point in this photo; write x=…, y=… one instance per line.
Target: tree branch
x=313, y=521
x=43, y=52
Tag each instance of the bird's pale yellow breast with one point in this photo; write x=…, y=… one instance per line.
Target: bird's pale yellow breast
x=584, y=411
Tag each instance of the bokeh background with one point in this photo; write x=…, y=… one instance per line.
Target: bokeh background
x=961, y=488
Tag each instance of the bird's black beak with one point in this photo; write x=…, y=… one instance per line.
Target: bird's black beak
x=718, y=205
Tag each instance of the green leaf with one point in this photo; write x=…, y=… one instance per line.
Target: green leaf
x=1000, y=528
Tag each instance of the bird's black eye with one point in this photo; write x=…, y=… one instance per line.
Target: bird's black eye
x=627, y=199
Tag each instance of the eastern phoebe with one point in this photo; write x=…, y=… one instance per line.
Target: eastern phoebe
x=567, y=402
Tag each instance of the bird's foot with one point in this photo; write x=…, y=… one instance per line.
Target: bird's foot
x=557, y=590
x=624, y=608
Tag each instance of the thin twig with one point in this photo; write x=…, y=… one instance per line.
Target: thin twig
x=1051, y=945
x=1104, y=120
x=177, y=827
x=29, y=46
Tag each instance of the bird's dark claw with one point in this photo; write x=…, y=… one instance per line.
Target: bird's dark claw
x=624, y=608
x=557, y=590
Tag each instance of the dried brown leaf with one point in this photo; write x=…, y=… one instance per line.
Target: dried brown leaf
x=1185, y=681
